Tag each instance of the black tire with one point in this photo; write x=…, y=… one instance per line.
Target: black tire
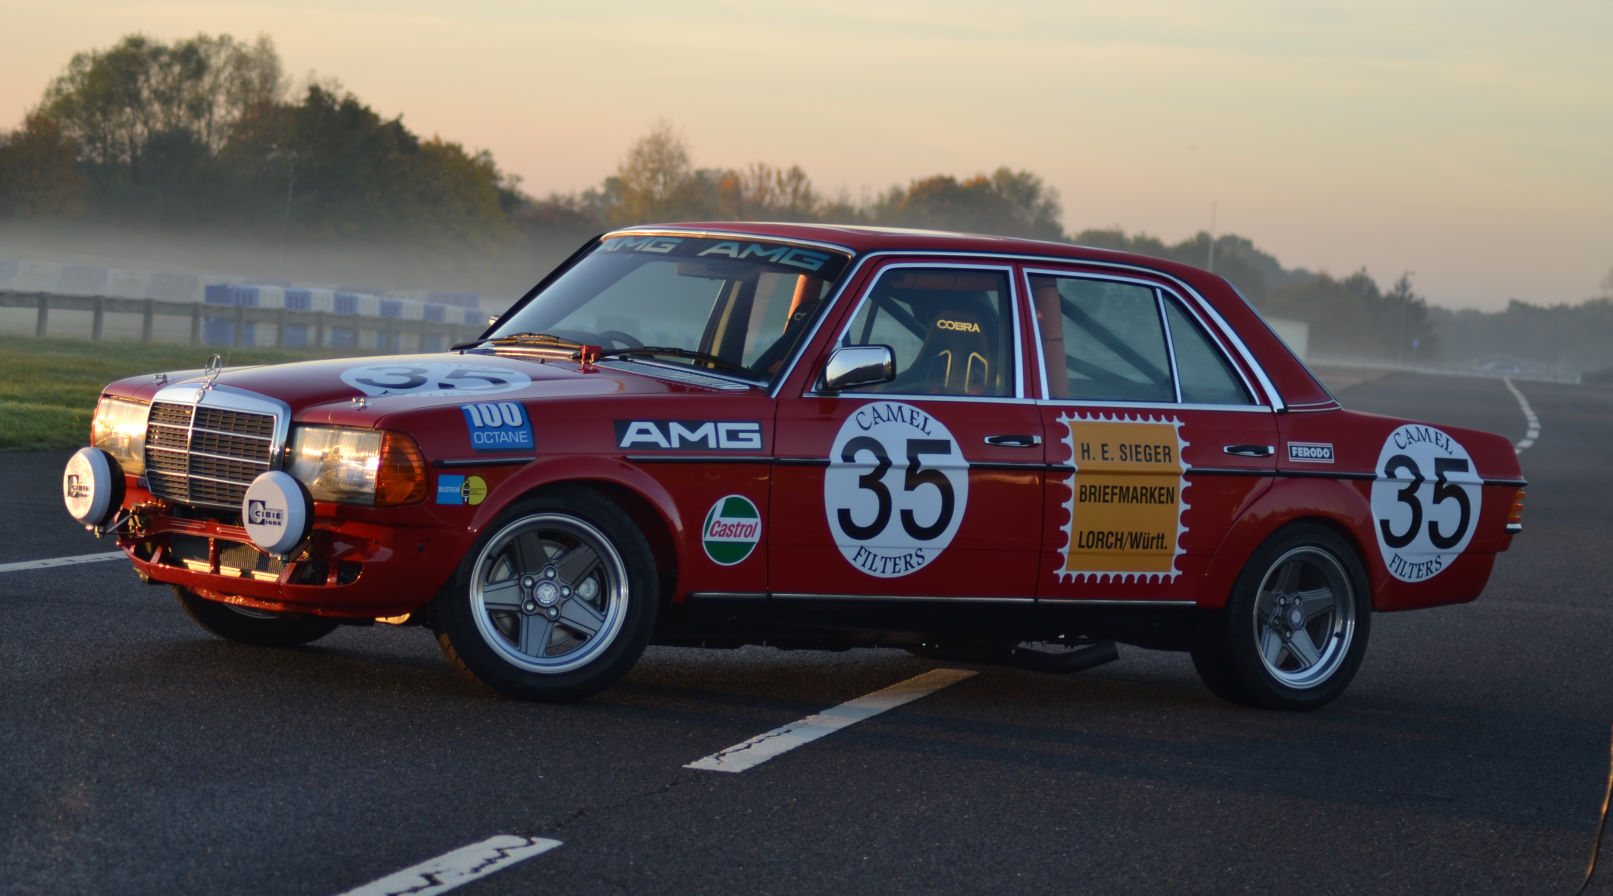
x=555, y=601
x=256, y=627
x=1295, y=626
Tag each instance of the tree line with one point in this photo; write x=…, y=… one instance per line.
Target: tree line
x=207, y=134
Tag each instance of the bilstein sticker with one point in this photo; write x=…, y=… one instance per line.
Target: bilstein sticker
x=1425, y=501
x=470, y=490
x=732, y=530
x=896, y=489
x=1125, y=498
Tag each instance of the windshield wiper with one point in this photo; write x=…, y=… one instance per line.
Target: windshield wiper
x=543, y=339
x=674, y=352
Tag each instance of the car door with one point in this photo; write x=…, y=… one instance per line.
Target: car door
x=926, y=485
x=1155, y=437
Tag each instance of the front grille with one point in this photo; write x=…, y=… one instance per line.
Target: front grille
x=206, y=455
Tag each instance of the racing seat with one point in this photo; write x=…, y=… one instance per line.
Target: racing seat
x=958, y=355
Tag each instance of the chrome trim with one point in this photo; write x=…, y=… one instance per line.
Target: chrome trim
x=900, y=598
x=178, y=465
x=455, y=462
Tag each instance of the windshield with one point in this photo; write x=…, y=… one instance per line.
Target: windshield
x=732, y=306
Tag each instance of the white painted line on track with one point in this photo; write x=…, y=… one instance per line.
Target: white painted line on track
x=459, y=867
x=26, y=565
x=1528, y=417
x=763, y=747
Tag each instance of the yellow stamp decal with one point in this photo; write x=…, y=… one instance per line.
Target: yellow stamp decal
x=1125, y=500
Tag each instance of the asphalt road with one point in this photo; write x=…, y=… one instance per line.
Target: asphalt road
x=1470, y=755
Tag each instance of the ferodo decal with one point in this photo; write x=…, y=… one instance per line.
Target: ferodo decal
x=498, y=426
x=732, y=529
x=1425, y=501
x=1125, y=501
x=1310, y=452
x=434, y=378
x=895, y=490
x=470, y=490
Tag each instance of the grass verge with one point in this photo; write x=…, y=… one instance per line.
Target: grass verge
x=48, y=387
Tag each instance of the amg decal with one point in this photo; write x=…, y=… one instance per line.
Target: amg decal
x=689, y=435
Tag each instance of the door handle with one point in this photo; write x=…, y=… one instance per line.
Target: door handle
x=1250, y=450
x=1014, y=441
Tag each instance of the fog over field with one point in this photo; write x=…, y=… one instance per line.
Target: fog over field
x=499, y=274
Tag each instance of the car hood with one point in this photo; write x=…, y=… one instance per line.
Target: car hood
x=363, y=391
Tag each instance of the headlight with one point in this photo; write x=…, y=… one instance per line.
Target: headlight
x=119, y=429
x=357, y=466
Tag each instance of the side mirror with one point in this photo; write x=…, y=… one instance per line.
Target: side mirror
x=858, y=365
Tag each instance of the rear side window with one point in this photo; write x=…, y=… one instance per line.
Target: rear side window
x=1109, y=340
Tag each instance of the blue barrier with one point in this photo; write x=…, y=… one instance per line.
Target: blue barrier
x=221, y=330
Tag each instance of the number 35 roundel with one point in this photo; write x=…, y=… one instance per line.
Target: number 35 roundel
x=895, y=490
x=1425, y=501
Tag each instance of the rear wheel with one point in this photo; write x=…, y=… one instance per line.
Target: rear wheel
x=249, y=626
x=555, y=602
x=1295, y=626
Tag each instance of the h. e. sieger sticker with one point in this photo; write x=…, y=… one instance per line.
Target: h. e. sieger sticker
x=434, y=378
x=896, y=489
x=1125, y=498
x=1425, y=501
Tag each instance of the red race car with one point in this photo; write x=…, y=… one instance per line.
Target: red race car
x=971, y=447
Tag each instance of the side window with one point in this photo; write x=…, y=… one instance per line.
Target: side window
x=1111, y=343
x=1102, y=340
x=951, y=331
x=1206, y=376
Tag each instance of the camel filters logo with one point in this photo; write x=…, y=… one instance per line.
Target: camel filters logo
x=733, y=527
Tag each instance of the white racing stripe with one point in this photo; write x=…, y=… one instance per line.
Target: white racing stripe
x=763, y=747
x=26, y=565
x=459, y=867
x=1528, y=417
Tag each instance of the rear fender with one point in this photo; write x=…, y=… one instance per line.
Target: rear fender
x=1334, y=502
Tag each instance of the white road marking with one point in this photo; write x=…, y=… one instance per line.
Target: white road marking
x=25, y=565
x=458, y=868
x=1528, y=416
x=763, y=747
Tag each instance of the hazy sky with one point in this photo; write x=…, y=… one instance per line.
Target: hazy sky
x=1469, y=142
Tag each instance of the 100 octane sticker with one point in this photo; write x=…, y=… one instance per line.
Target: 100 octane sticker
x=1425, y=501
x=895, y=490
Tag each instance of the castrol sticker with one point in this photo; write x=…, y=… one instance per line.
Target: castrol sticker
x=732, y=530
x=1125, y=501
x=1425, y=501
x=896, y=489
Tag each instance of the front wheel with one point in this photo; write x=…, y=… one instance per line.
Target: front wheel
x=1295, y=626
x=555, y=602
x=249, y=626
